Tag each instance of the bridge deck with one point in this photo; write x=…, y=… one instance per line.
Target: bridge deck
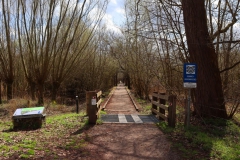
x=120, y=102
x=121, y=109
x=121, y=118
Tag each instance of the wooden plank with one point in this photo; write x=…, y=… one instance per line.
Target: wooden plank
x=159, y=114
x=99, y=93
x=172, y=111
x=153, y=105
x=99, y=102
x=154, y=110
x=160, y=105
x=160, y=96
x=162, y=116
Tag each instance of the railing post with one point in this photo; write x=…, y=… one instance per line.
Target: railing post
x=172, y=111
x=153, y=105
x=91, y=102
x=162, y=101
x=77, y=109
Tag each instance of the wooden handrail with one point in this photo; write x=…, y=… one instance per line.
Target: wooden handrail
x=160, y=96
x=93, y=101
x=159, y=107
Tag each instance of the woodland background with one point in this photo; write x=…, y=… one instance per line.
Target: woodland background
x=57, y=49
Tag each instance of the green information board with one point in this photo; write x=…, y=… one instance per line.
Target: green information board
x=26, y=112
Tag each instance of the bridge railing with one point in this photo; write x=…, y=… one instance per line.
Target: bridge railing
x=93, y=102
x=163, y=111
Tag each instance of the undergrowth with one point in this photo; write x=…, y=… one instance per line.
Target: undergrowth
x=61, y=132
x=213, y=139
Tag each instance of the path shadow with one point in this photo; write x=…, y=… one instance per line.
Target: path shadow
x=86, y=127
x=130, y=141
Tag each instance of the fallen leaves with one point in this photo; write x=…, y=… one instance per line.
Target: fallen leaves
x=42, y=143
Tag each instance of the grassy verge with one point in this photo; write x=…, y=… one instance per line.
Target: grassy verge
x=215, y=139
x=208, y=139
x=237, y=117
x=99, y=121
x=145, y=105
x=60, y=135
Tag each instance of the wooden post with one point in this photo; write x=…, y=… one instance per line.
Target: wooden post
x=77, y=109
x=91, y=102
x=186, y=112
x=162, y=101
x=172, y=111
x=153, y=105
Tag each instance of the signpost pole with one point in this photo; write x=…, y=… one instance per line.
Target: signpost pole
x=188, y=107
x=189, y=81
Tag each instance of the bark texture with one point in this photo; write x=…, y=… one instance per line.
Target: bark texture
x=209, y=93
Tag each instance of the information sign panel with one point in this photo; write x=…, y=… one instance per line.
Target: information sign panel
x=190, y=75
x=94, y=100
x=29, y=111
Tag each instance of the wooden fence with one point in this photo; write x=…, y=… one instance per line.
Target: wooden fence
x=163, y=111
x=93, y=102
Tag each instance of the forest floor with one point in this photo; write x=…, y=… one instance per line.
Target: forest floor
x=67, y=135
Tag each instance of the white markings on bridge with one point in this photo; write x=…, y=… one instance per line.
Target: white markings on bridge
x=133, y=118
x=122, y=118
x=136, y=118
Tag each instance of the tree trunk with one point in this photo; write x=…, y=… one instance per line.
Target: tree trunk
x=33, y=90
x=128, y=82
x=209, y=93
x=0, y=91
x=55, y=88
x=40, y=94
x=9, y=90
x=226, y=65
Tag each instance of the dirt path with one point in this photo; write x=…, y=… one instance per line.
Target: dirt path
x=120, y=102
x=127, y=141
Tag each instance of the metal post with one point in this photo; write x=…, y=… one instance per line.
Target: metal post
x=77, y=104
x=188, y=107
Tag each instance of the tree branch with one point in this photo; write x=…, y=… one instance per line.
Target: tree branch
x=226, y=69
x=237, y=41
x=225, y=29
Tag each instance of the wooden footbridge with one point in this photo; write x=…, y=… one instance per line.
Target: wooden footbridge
x=121, y=108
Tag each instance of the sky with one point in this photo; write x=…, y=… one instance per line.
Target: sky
x=115, y=14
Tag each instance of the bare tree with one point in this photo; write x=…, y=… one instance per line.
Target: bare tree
x=209, y=94
x=52, y=36
x=8, y=47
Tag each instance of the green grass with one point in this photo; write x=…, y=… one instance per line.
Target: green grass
x=146, y=109
x=217, y=139
x=60, y=131
x=99, y=121
x=140, y=101
x=103, y=112
x=237, y=117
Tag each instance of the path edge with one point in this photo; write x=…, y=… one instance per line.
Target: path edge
x=135, y=105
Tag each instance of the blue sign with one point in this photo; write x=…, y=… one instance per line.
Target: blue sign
x=190, y=75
